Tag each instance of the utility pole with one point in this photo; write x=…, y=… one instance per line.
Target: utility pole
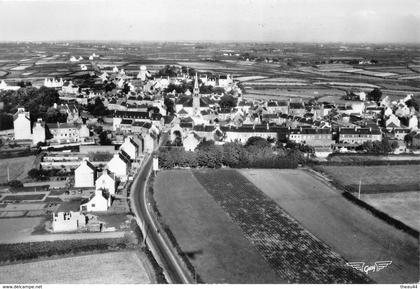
x=360, y=186
x=8, y=174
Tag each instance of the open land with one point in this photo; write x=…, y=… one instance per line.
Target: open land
x=404, y=206
x=350, y=230
x=293, y=252
x=18, y=167
x=116, y=267
x=396, y=178
x=220, y=252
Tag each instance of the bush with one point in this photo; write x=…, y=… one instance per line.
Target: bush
x=15, y=184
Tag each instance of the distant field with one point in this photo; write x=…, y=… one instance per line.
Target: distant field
x=349, y=230
x=18, y=167
x=220, y=253
x=375, y=178
x=402, y=206
x=107, y=268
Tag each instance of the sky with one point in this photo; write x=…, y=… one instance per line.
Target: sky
x=373, y=21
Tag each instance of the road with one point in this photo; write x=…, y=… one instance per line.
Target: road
x=160, y=246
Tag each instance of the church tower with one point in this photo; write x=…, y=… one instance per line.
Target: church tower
x=196, y=96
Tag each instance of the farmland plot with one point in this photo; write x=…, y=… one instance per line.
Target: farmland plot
x=351, y=231
x=106, y=268
x=219, y=251
x=295, y=254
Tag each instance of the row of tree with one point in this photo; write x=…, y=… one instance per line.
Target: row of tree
x=256, y=153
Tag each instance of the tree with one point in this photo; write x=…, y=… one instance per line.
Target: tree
x=98, y=108
x=15, y=184
x=408, y=139
x=375, y=95
x=6, y=121
x=169, y=104
x=103, y=138
x=227, y=101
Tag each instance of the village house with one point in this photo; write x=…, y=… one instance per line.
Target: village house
x=85, y=175
x=64, y=132
x=5, y=86
x=130, y=147
x=106, y=182
x=22, y=125
x=296, y=108
x=38, y=132
x=100, y=201
x=68, y=218
x=119, y=116
x=358, y=135
x=120, y=165
x=53, y=83
x=243, y=133
x=312, y=136
x=191, y=141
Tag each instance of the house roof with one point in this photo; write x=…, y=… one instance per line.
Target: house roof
x=73, y=206
x=131, y=114
x=58, y=125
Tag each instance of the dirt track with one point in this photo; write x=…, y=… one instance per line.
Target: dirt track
x=351, y=231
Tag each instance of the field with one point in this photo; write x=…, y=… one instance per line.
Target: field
x=218, y=250
x=295, y=254
x=375, y=179
x=115, y=267
x=404, y=207
x=18, y=229
x=350, y=230
x=18, y=167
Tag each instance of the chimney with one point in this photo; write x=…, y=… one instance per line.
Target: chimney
x=55, y=105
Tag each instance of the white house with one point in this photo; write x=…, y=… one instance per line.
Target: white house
x=99, y=202
x=120, y=165
x=106, y=182
x=53, y=83
x=5, y=86
x=191, y=141
x=84, y=131
x=22, y=124
x=38, y=132
x=85, y=174
x=148, y=143
x=393, y=120
x=413, y=123
x=130, y=147
x=67, y=217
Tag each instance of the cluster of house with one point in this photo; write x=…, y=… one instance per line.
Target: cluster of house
x=324, y=126
x=116, y=171
x=73, y=131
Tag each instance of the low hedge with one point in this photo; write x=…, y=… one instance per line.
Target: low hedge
x=34, y=250
x=387, y=218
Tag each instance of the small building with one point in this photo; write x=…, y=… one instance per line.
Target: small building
x=191, y=141
x=68, y=218
x=359, y=135
x=120, y=165
x=22, y=124
x=130, y=147
x=38, y=132
x=85, y=175
x=100, y=201
x=106, y=182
